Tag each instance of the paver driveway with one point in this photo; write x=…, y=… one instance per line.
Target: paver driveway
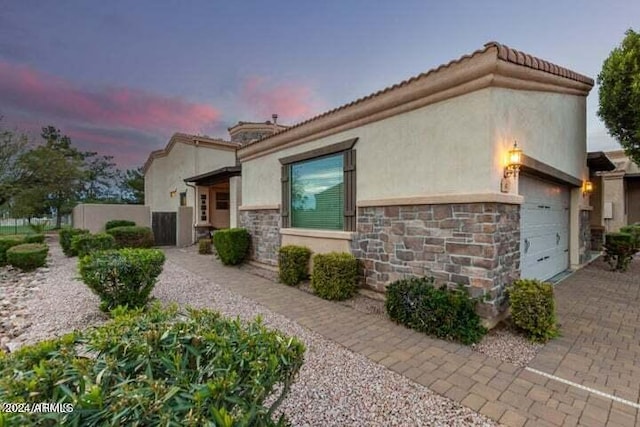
x=589, y=376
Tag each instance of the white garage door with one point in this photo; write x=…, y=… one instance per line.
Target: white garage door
x=544, y=228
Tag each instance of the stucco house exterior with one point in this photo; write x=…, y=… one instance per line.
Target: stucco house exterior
x=415, y=179
x=616, y=196
x=192, y=186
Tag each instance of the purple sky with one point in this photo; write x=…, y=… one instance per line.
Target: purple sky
x=120, y=77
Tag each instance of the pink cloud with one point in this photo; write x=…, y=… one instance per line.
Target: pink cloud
x=291, y=101
x=31, y=91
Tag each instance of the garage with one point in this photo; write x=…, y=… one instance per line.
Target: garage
x=544, y=228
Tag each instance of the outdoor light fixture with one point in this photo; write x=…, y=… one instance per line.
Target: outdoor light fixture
x=515, y=161
x=587, y=187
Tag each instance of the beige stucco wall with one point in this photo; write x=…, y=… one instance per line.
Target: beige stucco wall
x=184, y=220
x=549, y=127
x=457, y=146
x=93, y=217
x=437, y=149
x=167, y=173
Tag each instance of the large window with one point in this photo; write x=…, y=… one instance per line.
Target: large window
x=317, y=193
x=319, y=188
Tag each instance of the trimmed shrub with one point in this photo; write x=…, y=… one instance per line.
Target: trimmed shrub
x=533, y=309
x=122, y=277
x=119, y=223
x=84, y=244
x=293, y=264
x=158, y=368
x=132, y=236
x=28, y=256
x=232, y=245
x=34, y=238
x=335, y=275
x=7, y=242
x=66, y=234
x=634, y=230
x=619, y=249
x=204, y=246
x=444, y=313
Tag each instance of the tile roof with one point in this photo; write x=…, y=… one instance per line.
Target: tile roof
x=504, y=53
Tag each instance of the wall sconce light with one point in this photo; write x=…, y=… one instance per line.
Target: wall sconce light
x=173, y=193
x=515, y=161
x=587, y=187
x=512, y=169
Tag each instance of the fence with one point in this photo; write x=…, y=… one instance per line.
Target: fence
x=23, y=225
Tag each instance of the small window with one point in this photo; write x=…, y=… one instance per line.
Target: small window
x=203, y=207
x=183, y=198
x=222, y=201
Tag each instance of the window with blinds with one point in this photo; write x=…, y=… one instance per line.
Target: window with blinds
x=317, y=193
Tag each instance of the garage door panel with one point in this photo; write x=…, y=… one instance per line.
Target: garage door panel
x=544, y=244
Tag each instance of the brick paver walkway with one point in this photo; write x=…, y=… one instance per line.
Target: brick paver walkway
x=599, y=348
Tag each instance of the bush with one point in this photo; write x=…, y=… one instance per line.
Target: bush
x=39, y=228
x=122, y=277
x=619, y=249
x=293, y=264
x=445, y=313
x=335, y=275
x=204, y=246
x=28, y=256
x=157, y=368
x=533, y=309
x=66, y=234
x=119, y=223
x=84, y=244
x=34, y=238
x=7, y=242
x=132, y=236
x=232, y=245
x=634, y=230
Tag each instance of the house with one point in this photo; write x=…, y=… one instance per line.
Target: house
x=616, y=195
x=472, y=172
x=192, y=186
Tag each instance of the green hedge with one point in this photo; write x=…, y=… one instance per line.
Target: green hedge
x=66, y=235
x=28, y=256
x=204, y=246
x=232, y=245
x=122, y=277
x=444, y=313
x=335, y=275
x=84, y=244
x=160, y=368
x=293, y=264
x=634, y=230
x=119, y=223
x=7, y=242
x=132, y=237
x=34, y=238
x=533, y=308
x=619, y=249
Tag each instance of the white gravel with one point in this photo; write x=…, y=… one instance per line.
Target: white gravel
x=335, y=387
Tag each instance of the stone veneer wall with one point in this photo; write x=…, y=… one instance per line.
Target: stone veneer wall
x=475, y=244
x=264, y=227
x=585, y=236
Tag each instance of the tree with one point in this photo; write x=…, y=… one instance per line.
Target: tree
x=132, y=186
x=101, y=178
x=12, y=146
x=50, y=181
x=619, y=94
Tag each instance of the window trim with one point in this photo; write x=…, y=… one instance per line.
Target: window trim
x=319, y=152
x=349, y=180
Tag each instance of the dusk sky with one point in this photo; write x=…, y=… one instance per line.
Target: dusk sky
x=120, y=77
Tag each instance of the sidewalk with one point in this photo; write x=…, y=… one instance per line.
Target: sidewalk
x=593, y=352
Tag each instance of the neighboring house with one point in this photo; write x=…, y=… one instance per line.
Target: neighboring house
x=411, y=179
x=192, y=186
x=616, y=196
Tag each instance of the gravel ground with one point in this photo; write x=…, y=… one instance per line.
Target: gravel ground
x=334, y=387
